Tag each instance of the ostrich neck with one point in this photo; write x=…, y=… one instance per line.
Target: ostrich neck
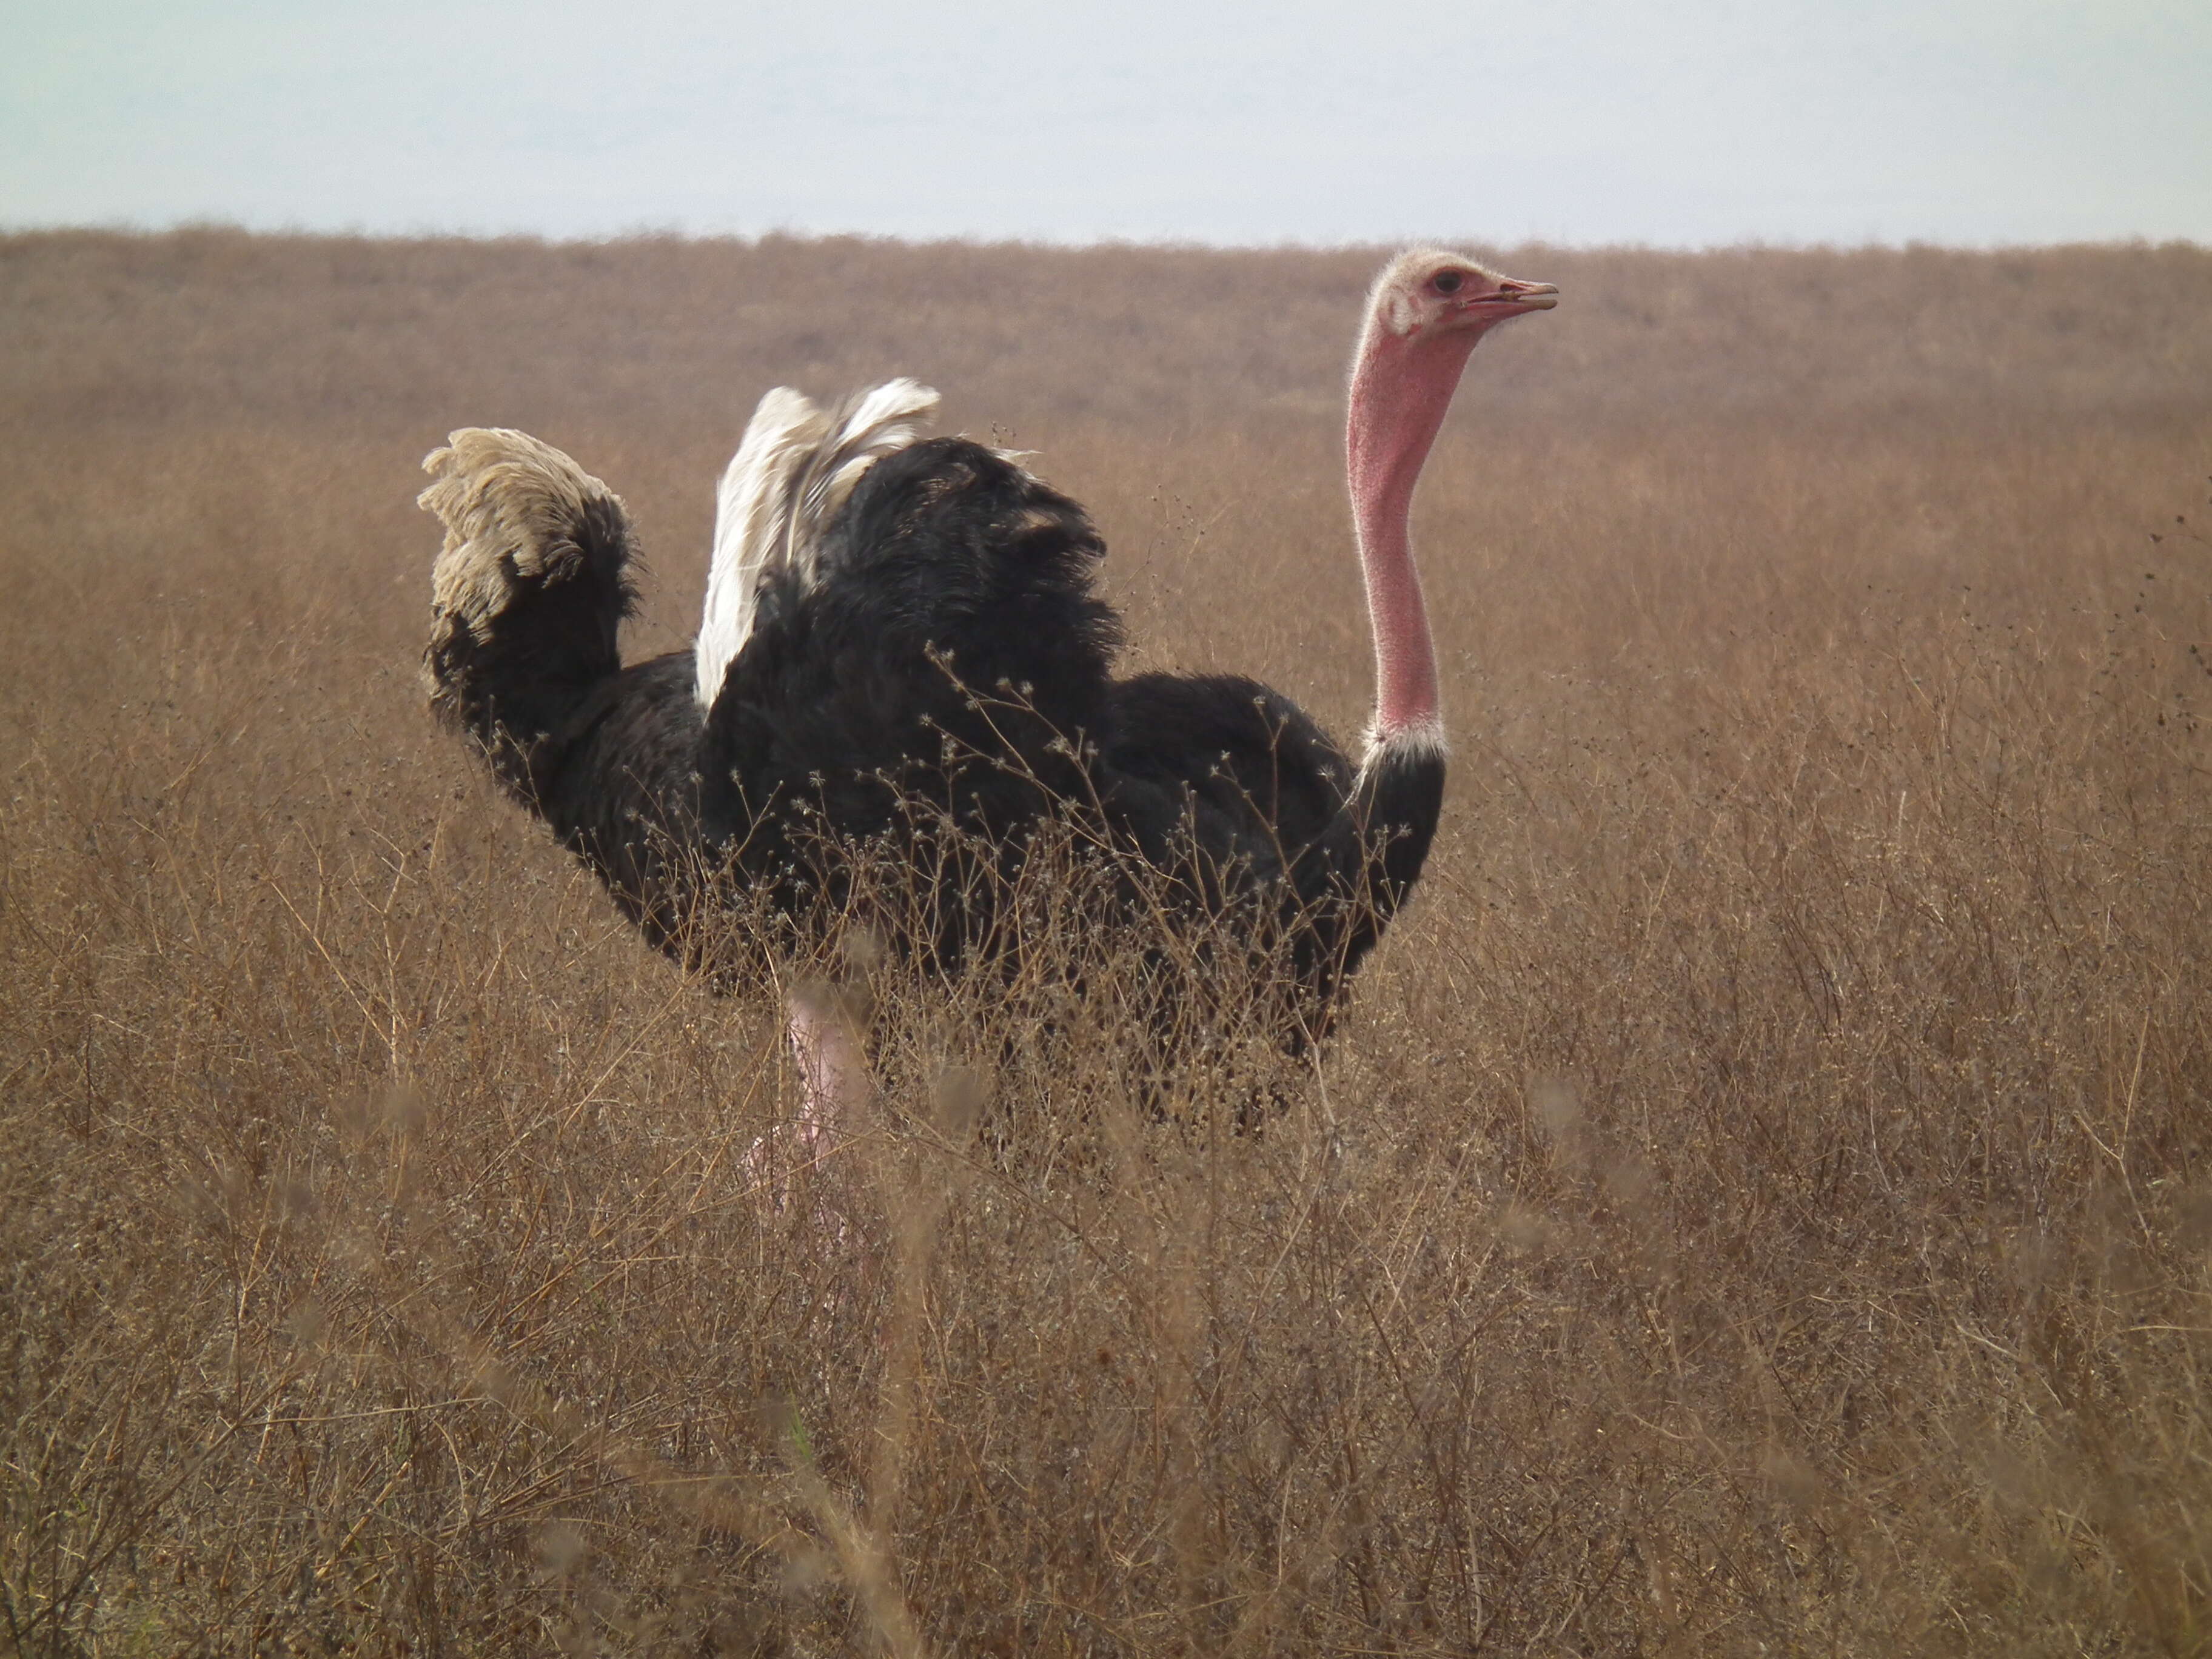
x=1401, y=389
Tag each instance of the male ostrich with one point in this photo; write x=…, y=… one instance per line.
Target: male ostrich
x=863, y=580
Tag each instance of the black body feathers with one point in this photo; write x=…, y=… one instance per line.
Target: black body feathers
x=1234, y=787
x=947, y=648
x=529, y=593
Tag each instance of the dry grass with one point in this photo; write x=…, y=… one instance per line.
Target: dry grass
x=1758, y=1204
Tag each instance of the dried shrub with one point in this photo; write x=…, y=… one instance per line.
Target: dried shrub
x=1758, y=1199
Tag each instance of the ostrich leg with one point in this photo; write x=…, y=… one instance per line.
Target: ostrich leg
x=833, y=1084
x=832, y=1072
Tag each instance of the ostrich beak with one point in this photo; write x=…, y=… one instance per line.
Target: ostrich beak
x=1525, y=296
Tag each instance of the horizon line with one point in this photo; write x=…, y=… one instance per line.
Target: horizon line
x=188, y=225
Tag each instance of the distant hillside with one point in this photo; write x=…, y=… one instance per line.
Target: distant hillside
x=662, y=336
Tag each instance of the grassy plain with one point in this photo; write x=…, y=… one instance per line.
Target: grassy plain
x=1759, y=1202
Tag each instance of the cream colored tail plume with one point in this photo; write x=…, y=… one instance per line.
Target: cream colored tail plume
x=796, y=466
x=512, y=508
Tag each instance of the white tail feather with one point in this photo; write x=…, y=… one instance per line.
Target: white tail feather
x=511, y=505
x=796, y=465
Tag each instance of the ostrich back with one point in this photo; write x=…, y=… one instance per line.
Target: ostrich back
x=933, y=683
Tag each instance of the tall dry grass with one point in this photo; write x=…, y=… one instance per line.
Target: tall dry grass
x=1757, y=1203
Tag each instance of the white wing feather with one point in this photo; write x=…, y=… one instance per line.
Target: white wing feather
x=796, y=465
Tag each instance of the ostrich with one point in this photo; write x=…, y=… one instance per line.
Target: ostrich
x=863, y=580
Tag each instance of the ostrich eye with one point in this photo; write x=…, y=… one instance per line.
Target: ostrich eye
x=1448, y=281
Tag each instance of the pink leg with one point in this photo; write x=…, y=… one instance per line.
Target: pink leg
x=833, y=1085
x=832, y=1074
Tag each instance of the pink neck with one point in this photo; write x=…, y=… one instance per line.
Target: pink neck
x=1400, y=388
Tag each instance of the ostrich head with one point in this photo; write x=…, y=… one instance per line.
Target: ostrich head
x=1424, y=313
x=1426, y=294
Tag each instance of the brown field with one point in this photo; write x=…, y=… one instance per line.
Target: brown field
x=1760, y=1201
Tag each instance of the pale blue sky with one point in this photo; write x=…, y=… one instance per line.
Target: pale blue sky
x=1691, y=123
